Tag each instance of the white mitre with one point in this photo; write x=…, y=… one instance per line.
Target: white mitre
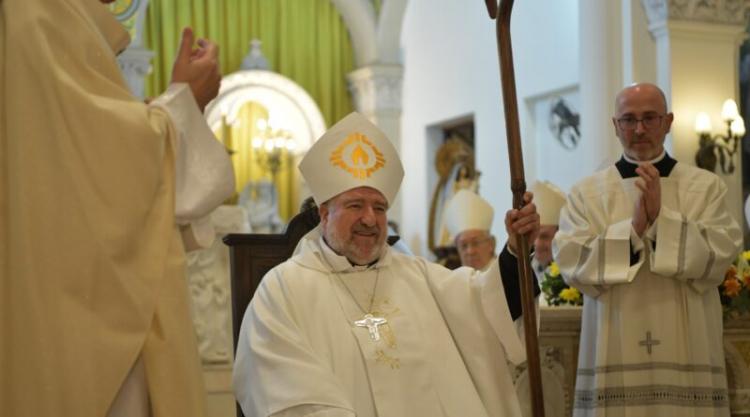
x=352, y=153
x=466, y=210
x=549, y=200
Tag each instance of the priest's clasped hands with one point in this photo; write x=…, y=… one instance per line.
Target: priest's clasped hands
x=648, y=205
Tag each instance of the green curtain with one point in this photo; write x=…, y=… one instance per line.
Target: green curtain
x=377, y=4
x=305, y=40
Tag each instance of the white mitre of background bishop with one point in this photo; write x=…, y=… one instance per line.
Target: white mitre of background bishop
x=352, y=153
x=549, y=200
x=466, y=210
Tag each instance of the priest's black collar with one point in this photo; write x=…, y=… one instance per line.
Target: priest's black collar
x=664, y=163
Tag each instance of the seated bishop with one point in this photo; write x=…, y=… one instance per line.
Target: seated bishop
x=349, y=327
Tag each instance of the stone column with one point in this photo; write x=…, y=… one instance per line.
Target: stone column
x=601, y=75
x=135, y=61
x=697, y=53
x=135, y=64
x=376, y=91
x=639, y=47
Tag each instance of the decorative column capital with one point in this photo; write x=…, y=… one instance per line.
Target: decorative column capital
x=135, y=61
x=732, y=12
x=135, y=64
x=131, y=14
x=376, y=89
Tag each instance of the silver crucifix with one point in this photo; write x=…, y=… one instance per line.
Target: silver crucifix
x=372, y=324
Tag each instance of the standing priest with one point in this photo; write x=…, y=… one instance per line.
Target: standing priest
x=349, y=327
x=95, y=190
x=647, y=241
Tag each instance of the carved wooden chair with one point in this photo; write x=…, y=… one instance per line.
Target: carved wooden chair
x=251, y=256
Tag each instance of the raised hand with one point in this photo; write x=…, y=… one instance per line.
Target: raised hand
x=198, y=67
x=649, y=204
x=522, y=222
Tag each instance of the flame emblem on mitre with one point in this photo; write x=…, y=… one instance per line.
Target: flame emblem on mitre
x=358, y=156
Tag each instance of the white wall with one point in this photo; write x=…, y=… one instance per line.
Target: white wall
x=548, y=67
x=451, y=71
x=704, y=61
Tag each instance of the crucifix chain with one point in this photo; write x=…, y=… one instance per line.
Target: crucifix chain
x=370, y=321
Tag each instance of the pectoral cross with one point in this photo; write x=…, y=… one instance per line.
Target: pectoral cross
x=648, y=342
x=372, y=323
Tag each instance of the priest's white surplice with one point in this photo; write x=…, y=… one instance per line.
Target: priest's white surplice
x=651, y=341
x=442, y=352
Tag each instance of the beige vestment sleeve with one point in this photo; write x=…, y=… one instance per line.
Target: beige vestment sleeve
x=203, y=172
x=698, y=245
x=309, y=410
x=590, y=259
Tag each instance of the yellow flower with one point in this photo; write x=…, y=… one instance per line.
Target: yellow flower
x=554, y=270
x=732, y=287
x=746, y=255
x=570, y=294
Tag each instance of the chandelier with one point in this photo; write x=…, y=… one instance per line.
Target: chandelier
x=272, y=145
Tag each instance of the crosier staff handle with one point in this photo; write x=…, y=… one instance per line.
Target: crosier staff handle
x=518, y=186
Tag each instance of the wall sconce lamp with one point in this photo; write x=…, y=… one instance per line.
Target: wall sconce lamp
x=721, y=147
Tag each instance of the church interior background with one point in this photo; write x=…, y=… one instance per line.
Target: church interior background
x=426, y=72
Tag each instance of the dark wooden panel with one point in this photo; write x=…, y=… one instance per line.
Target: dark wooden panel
x=251, y=256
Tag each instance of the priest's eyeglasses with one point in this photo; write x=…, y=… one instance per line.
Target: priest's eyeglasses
x=464, y=246
x=649, y=121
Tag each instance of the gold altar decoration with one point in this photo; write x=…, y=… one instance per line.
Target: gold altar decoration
x=454, y=163
x=262, y=150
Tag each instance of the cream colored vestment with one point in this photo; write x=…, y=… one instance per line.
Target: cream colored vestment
x=443, y=351
x=92, y=262
x=651, y=341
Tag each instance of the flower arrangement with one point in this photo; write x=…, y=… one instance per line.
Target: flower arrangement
x=735, y=290
x=556, y=291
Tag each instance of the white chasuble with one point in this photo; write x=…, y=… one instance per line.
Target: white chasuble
x=651, y=338
x=441, y=352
